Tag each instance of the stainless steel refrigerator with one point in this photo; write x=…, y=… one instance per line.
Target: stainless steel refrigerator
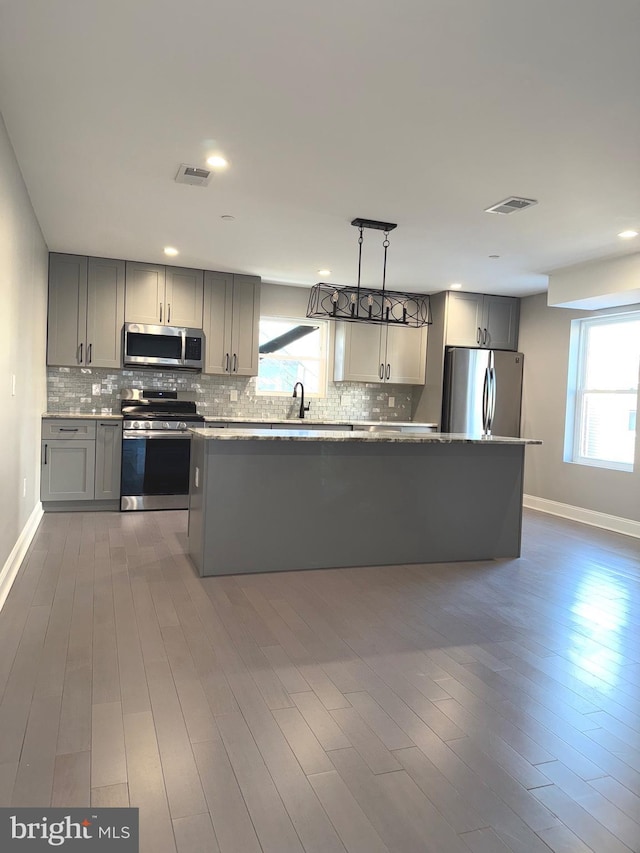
x=482, y=391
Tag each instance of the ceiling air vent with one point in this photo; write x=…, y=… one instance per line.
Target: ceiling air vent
x=193, y=175
x=511, y=205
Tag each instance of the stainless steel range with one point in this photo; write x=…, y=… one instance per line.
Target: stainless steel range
x=156, y=447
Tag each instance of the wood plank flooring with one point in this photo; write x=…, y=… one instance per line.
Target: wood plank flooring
x=491, y=707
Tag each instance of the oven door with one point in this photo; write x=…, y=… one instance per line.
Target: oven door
x=155, y=469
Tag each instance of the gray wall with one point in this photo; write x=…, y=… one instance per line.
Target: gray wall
x=23, y=285
x=544, y=339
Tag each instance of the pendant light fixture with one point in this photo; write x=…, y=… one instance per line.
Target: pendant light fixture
x=369, y=304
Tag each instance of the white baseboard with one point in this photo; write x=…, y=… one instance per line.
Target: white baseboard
x=627, y=526
x=14, y=560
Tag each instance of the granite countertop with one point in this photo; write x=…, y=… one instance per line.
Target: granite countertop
x=95, y=416
x=342, y=422
x=356, y=435
x=241, y=420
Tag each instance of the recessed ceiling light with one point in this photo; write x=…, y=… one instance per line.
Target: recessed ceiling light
x=324, y=272
x=169, y=250
x=227, y=217
x=217, y=162
x=627, y=235
x=456, y=286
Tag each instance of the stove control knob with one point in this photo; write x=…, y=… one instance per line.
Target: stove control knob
x=166, y=425
x=182, y=425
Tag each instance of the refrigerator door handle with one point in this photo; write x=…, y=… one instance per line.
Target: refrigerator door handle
x=485, y=402
x=492, y=396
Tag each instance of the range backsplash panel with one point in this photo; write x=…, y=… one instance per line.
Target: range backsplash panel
x=83, y=389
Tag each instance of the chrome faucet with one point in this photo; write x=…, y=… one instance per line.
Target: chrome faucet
x=303, y=408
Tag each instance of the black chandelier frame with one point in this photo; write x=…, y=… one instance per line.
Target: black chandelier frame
x=365, y=304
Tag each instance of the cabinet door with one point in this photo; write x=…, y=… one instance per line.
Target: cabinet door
x=359, y=353
x=501, y=315
x=244, y=325
x=108, y=460
x=66, y=320
x=464, y=319
x=67, y=470
x=144, y=294
x=183, y=294
x=218, y=300
x=406, y=355
x=105, y=312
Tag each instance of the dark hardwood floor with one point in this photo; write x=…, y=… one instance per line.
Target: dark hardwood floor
x=485, y=707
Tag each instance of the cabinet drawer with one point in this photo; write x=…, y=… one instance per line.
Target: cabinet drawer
x=71, y=428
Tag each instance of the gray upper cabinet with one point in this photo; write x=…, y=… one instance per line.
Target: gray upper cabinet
x=168, y=296
x=183, y=295
x=482, y=320
x=376, y=353
x=230, y=323
x=86, y=311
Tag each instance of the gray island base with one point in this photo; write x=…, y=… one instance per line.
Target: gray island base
x=302, y=500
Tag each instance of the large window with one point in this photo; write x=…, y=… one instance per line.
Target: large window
x=602, y=409
x=292, y=351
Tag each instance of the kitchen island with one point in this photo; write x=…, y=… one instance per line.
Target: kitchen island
x=264, y=500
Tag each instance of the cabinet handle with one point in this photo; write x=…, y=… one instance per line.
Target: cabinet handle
x=388, y=372
x=226, y=363
x=485, y=338
x=90, y=353
x=168, y=312
x=381, y=372
x=67, y=429
x=235, y=363
x=45, y=454
x=161, y=312
x=80, y=355
x=478, y=335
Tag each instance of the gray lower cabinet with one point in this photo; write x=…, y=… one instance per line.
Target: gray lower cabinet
x=86, y=311
x=80, y=460
x=68, y=470
x=108, y=460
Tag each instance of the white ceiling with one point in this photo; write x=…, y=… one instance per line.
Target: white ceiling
x=420, y=112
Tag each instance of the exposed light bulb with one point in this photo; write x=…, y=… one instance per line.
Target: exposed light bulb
x=169, y=250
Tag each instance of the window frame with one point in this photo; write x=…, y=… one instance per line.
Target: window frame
x=323, y=359
x=578, y=389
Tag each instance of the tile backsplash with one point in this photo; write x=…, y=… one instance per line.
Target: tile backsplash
x=83, y=389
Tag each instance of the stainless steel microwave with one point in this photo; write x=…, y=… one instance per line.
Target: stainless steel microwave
x=163, y=346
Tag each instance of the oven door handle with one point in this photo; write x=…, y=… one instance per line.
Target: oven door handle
x=155, y=433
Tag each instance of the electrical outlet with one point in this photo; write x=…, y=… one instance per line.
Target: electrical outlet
x=24, y=488
x=197, y=477
x=233, y=395
x=392, y=402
